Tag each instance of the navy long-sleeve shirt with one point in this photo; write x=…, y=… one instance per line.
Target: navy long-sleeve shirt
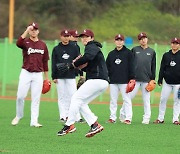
x=64, y=54
x=170, y=68
x=120, y=66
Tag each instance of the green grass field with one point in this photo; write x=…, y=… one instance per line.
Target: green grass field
x=116, y=138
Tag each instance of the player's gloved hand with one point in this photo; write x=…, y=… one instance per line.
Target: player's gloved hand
x=64, y=67
x=130, y=86
x=46, y=86
x=80, y=82
x=151, y=85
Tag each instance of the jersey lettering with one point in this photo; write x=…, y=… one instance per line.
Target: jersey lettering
x=30, y=51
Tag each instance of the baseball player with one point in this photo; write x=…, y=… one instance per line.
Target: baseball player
x=121, y=70
x=170, y=72
x=96, y=83
x=74, y=38
x=145, y=68
x=64, y=52
x=35, y=61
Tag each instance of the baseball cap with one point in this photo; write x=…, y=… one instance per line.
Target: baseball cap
x=175, y=40
x=142, y=34
x=74, y=33
x=35, y=25
x=87, y=32
x=119, y=36
x=65, y=32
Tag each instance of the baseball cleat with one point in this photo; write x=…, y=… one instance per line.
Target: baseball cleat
x=111, y=121
x=95, y=128
x=176, y=123
x=15, y=121
x=36, y=125
x=128, y=122
x=158, y=122
x=66, y=129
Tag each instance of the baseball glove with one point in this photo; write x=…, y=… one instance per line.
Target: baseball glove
x=179, y=93
x=63, y=67
x=81, y=66
x=80, y=82
x=130, y=86
x=46, y=86
x=151, y=85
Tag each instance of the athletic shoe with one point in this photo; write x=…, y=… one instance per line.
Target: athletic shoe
x=176, y=123
x=81, y=121
x=158, y=122
x=122, y=118
x=95, y=128
x=145, y=121
x=128, y=122
x=15, y=121
x=66, y=129
x=36, y=125
x=111, y=121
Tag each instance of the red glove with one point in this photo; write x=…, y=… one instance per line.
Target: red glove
x=46, y=86
x=130, y=86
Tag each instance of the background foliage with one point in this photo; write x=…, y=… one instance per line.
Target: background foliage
x=158, y=18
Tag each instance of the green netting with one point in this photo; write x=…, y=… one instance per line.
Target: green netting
x=11, y=62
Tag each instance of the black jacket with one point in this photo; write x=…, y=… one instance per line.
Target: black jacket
x=96, y=68
x=170, y=68
x=120, y=66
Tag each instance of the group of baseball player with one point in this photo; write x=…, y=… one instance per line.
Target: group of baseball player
x=123, y=70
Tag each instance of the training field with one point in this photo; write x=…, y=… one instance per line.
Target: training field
x=116, y=138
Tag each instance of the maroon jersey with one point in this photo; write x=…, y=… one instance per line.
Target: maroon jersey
x=35, y=55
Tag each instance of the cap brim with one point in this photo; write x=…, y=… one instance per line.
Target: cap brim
x=142, y=37
x=66, y=35
x=119, y=39
x=76, y=36
x=35, y=27
x=83, y=35
x=175, y=42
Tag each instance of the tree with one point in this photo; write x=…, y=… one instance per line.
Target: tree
x=168, y=6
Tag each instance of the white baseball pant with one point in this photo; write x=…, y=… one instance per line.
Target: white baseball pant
x=33, y=80
x=82, y=97
x=126, y=109
x=166, y=90
x=65, y=90
x=146, y=99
